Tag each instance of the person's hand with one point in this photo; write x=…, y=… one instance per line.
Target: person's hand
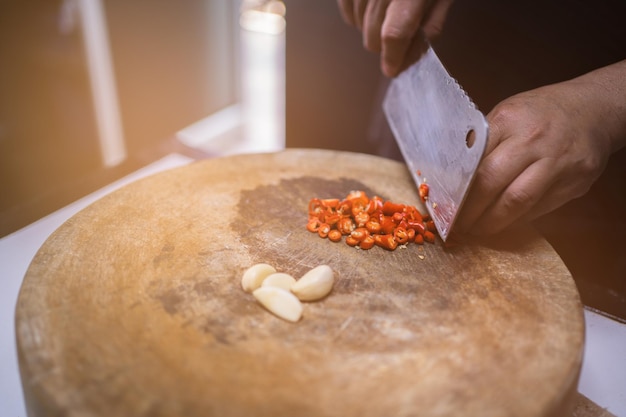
x=546, y=147
x=389, y=27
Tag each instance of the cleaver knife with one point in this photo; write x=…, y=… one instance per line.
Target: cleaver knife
x=441, y=133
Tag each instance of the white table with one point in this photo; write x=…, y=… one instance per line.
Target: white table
x=603, y=378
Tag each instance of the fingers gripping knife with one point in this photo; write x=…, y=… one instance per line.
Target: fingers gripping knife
x=441, y=133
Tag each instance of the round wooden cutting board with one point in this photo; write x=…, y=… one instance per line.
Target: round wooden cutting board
x=133, y=307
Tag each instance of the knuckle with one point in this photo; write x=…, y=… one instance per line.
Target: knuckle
x=511, y=113
x=590, y=167
x=391, y=34
x=516, y=200
x=433, y=30
x=504, y=110
x=486, y=182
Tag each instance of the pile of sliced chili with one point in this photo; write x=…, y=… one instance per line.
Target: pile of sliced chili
x=367, y=222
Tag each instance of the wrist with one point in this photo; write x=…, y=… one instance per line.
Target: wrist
x=605, y=97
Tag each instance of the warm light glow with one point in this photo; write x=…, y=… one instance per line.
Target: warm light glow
x=268, y=6
x=103, y=84
x=257, y=122
x=263, y=16
x=262, y=22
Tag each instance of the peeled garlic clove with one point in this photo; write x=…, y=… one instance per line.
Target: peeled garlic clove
x=280, y=280
x=253, y=277
x=315, y=284
x=280, y=302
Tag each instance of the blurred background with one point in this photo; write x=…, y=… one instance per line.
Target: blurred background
x=91, y=90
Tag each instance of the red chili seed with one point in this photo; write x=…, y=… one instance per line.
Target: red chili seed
x=400, y=235
x=323, y=230
x=360, y=233
x=345, y=225
x=361, y=218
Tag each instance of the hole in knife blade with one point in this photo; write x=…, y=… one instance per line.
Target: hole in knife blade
x=470, y=138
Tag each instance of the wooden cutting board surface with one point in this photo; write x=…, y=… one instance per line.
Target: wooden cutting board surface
x=133, y=307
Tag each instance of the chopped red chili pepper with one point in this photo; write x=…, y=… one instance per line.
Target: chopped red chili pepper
x=411, y=213
x=390, y=208
x=387, y=225
x=316, y=207
x=334, y=235
x=411, y=234
x=397, y=217
x=386, y=241
x=345, y=225
x=368, y=222
x=344, y=208
x=332, y=218
x=423, y=191
x=361, y=218
x=417, y=226
x=323, y=230
x=400, y=235
x=367, y=243
x=330, y=202
x=375, y=204
x=313, y=225
x=360, y=233
x=373, y=226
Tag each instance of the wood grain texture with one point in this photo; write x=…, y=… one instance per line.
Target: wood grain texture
x=584, y=407
x=134, y=307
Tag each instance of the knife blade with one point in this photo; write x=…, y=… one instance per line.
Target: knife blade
x=440, y=132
